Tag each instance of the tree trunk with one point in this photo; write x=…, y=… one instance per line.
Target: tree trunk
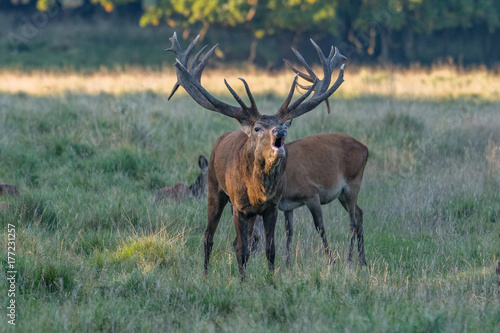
x=253, y=51
x=204, y=30
x=409, y=46
x=385, y=41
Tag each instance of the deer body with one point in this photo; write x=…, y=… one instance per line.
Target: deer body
x=248, y=166
x=322, y=168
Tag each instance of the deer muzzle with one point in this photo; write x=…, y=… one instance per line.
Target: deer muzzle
x=278, y=146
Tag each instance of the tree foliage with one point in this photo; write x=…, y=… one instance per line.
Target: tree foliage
x=375, y=27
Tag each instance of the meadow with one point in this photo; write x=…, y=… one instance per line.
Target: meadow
x=94, y=253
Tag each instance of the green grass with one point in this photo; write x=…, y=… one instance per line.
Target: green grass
x=95, y=254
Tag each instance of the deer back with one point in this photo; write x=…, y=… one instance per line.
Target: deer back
x=176, y=192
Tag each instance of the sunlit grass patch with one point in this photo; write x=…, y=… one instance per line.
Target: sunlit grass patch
x=439, y=83
x=143, y=253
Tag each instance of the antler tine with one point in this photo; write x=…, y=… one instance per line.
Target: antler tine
x=196, y=59
x=253, y=106
x=323, y=60
x=176, y=47
x=284, y=109
x=198, y=66
x=235, y=95
x=303, y=97
x=288, y=99
x=336, y=58
x=304, y=63
x=303, y=87
x=183, y=56
x=302, y=75
x=251, y=111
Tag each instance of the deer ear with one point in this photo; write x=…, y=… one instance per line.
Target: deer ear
x=246, y=127
x=202, y=162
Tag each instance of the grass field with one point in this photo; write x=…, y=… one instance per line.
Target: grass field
x=93, y=253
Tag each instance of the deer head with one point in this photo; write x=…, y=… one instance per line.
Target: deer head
x=199, y=187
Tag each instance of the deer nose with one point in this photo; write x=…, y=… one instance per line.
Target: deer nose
x=279, y=133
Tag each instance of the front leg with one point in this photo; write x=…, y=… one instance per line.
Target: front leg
x=269, y=218
x=216, y=202
x=241, y=222
x=254, y=233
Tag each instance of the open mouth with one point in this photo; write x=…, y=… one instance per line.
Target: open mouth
x=279, y=143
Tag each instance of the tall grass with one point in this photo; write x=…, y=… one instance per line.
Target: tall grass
x=95, y=254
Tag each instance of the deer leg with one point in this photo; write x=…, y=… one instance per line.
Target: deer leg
x=314, y=206
x=269, y=218
x=346, y=203
x=241, y=224
x=355, y=229
x=352, y=232
x=359, y=233
x=256, y=234
x=215, y=207
x=289, y=235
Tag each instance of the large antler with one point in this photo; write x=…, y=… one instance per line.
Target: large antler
x=322, y=89
x=190, y=80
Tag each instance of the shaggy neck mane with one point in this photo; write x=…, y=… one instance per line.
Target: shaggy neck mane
x=263, y=179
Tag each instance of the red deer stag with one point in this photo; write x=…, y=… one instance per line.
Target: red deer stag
x=247, y=166
x=180, y=191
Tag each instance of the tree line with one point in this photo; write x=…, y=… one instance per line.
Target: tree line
x=383, y=31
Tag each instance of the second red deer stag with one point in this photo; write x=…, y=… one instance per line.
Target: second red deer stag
x=247, y=166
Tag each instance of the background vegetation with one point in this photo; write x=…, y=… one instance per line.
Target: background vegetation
x=396, y=31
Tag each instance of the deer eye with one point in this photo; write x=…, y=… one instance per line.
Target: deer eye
x=257, y=129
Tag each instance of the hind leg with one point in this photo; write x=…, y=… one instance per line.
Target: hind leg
x=314, y=206
x=359, y=233
x=349, y=202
